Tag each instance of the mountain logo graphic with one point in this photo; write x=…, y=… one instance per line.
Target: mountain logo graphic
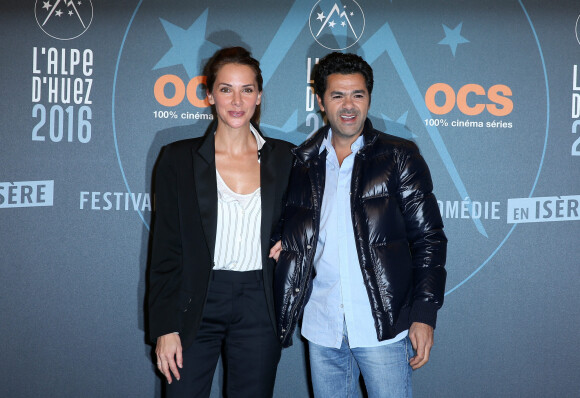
x=64, y=19
x=337, y=25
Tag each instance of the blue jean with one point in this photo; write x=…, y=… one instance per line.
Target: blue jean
x=385, y=370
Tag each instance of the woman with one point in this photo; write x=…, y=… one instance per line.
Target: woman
x=218, y=199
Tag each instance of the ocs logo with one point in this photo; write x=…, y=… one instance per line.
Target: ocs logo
x=336, y=28
x=64, y=19
x=495, y=100
x=179, y=91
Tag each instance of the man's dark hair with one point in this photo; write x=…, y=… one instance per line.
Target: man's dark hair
x=345, y=64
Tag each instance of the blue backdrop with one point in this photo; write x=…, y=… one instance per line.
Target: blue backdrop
x=91, y=90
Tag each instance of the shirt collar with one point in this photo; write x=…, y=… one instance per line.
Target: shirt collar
x=259, y=139
x=327, y=142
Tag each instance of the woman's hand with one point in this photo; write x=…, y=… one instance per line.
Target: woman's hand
x=169, y=355
x=275, y=250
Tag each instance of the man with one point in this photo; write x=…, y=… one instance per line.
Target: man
x=363, y=251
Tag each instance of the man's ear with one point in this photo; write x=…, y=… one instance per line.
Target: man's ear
x=320, y=105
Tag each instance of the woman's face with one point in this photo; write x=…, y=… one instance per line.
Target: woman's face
x=235, y=95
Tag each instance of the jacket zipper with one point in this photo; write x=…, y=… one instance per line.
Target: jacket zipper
x=310, y=260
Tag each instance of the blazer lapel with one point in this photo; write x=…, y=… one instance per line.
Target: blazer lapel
x=268, y=193
x=206, y=188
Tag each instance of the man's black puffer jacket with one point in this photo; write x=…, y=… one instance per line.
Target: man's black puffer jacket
x=398, y=230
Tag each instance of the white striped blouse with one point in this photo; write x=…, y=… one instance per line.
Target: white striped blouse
x=237, y=244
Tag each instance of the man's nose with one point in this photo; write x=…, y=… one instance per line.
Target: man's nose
x=347, y=103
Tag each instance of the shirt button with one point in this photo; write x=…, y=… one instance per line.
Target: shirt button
x=297, y=290
x=341, y=306
x=308, y=247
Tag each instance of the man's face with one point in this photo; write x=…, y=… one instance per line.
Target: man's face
x=346, y=103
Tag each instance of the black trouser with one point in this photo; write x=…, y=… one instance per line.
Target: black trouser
x=236, y=319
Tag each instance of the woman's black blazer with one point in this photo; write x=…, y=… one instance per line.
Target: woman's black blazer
x=184, y=230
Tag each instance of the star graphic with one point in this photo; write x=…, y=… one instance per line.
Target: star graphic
x=331, y=24
x=351, y=14
x=343, y=24
x=79, y=3
x=187, y=45
x=46, y=5
x=58, y=13
x=70, y=13
x=453, y=37
x=321, y=16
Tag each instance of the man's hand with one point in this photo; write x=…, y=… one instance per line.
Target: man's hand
x=169, y=356
x=421, y=336
x=275, y=250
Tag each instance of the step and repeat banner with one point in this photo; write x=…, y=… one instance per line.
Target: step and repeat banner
x=92, y=90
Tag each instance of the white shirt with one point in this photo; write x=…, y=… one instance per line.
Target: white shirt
x=238, y=238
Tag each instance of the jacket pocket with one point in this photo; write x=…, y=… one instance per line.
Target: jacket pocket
x=392, y=268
